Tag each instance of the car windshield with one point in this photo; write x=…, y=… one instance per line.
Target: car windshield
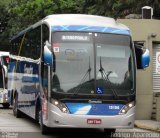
x=92, y=63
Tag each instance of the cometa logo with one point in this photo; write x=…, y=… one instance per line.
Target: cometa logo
x=91, y=101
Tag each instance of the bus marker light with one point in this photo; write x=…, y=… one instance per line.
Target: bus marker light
x=45, y=109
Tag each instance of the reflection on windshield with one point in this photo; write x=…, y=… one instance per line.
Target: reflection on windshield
x=75, y=70
x=114, y=68
x=74, y=62
x=105, y=78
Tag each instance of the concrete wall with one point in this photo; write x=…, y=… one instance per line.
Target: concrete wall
x=141, y=31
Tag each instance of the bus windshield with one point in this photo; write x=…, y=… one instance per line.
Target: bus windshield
x=92, y=63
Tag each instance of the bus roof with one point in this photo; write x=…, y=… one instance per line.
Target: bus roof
x=2, y=53
x=76, y=20
x=83, y=19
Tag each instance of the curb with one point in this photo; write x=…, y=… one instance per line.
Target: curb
x=148, y=125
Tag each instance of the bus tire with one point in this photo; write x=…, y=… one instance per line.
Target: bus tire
x=109, y=132
x=44, y=129
x=16, y=112
x=5, y=105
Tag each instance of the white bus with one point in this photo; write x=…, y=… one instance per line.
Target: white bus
x=75, y=71
x=4, y=60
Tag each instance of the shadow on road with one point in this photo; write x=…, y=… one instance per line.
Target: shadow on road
x=1, y=107
x=66, y=133
x=78, y=133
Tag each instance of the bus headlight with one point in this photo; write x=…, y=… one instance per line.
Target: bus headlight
x=127, y=107
x=60, y=105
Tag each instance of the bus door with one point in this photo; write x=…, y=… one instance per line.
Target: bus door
x=2, y=76
x=46, y=89
x=2, y=85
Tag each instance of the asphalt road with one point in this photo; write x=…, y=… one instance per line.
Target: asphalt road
x=11, y=127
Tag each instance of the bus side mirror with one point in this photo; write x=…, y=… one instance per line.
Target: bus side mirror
x=47, y=54
x=142, y=57
x=145, y=59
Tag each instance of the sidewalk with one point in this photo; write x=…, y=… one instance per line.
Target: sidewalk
x=148, y=124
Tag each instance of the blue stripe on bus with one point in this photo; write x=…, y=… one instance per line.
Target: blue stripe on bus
x=12, y=66
x=30, y=79
x=94, y=109
x=84, y=28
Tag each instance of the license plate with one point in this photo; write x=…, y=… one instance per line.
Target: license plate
x=94, y=121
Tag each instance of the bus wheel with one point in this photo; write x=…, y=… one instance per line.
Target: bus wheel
x=16, y=112
x=109, y=132
x=6, y=105
x=44, y=129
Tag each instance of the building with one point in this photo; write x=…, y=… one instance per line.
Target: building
x=146, y=32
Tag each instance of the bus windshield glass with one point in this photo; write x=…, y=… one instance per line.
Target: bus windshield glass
x=92, y=63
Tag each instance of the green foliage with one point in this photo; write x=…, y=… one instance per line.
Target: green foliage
x=27, y=12
x=19, y=14
x=4, y=32
x=4, y=2
x=120, y=8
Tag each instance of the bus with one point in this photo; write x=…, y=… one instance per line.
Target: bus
x=4, y=60
x=75, y=71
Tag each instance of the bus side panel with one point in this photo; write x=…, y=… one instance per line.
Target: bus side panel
x=29, y=87
x=25, y=81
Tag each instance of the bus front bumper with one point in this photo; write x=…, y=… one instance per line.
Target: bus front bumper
x=57, y=119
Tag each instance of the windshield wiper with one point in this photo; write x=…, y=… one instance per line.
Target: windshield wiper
x=105, y=77
x=83, y=79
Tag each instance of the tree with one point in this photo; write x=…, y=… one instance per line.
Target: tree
x=4, y=17
x=26, y=12
x=16, y=15
x=120, y=8
x=155, y=4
